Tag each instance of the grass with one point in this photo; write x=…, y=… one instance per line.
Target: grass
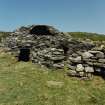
x=86, y=35
x=24, y=83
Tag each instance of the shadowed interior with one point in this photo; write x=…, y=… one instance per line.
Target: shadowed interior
x=40, y=30
x=24, y=54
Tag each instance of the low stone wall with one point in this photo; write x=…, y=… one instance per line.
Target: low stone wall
x=85, y=64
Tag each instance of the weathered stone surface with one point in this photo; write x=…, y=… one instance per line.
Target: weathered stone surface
x=72, y=73
x=90, y=60
x=79, y=67
x=55, y=58
x=94, y=52
x=76, y=60
x=101, y=60
x=81, y=74
x=71, y=67
x=89, y=76
x=59, y=65
x=86, y=55
x=100, y=55
x=89, y=69
x=90, y=63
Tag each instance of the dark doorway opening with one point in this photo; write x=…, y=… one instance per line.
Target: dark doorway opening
x=65, y=48
x=100, y=72
x=40, y=30
x=24, y=54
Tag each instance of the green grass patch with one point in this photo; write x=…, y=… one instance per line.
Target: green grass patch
x=24, y=83
x=85, y=35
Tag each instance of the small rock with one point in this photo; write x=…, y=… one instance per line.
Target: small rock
x=98, y=69
x=89, y=75
x=79, y=67
x=93, y=58
x=99, y=48
x=71, y=67
x=100, y=55
x=81, y=74
x=89, y=69
x=72, y=73
x=78, y=59
x=101, y=60
x=86, y=55
x=102, y=47
x=57, y=58
x=90, y=63
x=98, y=64
x=58, y=65
x=74, y=55
x=93, y=52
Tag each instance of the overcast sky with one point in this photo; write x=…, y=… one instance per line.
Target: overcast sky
x=66, y=15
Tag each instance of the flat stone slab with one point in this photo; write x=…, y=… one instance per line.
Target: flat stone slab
x=55, y=84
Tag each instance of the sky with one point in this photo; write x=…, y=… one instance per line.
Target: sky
x=65, y=15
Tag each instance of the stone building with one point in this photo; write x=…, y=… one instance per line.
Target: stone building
x=45, y=45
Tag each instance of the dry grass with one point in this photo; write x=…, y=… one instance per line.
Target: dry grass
x=23, y=83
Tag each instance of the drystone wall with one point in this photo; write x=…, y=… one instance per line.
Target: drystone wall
x=49, y=47
x=85, y=64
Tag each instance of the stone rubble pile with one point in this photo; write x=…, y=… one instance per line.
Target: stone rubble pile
x=55, y=49
x=84, y=64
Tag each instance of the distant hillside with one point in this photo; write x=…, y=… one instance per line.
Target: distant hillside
x=3, y=35
x=81, y=35
x=85, y=35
